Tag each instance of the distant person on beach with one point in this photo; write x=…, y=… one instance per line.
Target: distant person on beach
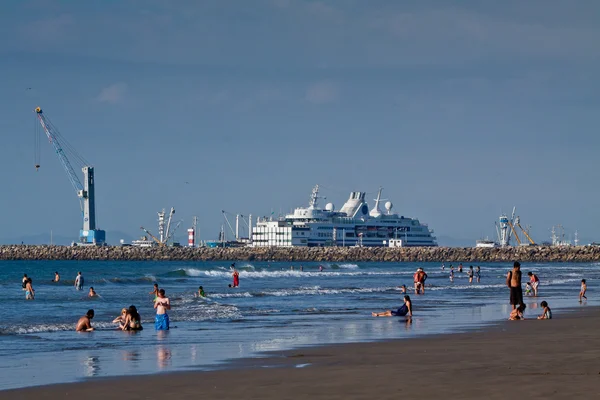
x=133, y=321
x=162, y=304
x=478, y=273
x=56, y=277
x=406, y=309
x=517, y=313
x=29, y=292
x=301, y=268
x=470, y=272
x=154, y=292
x=236, y=277
x=451, y=273
x=513, y=281
x=582, y=290
x=320, y=268
x=460, y=267
x=79, y=281
x=535, y=281
x=85, y=323
x=121, y=318
x=201, y=292
x=92, y=292
x=443, y=267
x=547, y=314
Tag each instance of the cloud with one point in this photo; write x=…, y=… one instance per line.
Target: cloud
x=113, y=93
x=322, y=92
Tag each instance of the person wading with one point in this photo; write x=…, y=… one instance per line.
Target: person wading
x=513, y=281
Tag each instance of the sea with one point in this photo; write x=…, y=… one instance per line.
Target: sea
x=278, y=306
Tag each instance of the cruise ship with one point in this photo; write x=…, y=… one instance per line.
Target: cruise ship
x=353, y=225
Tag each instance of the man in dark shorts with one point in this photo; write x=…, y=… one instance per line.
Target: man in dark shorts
x=513, y=281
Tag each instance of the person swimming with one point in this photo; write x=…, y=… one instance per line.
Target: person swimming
x=201, y=292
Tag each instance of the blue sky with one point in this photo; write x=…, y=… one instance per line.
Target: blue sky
x=459, y=110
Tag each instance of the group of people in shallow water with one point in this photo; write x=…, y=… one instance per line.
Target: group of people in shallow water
x=513, y=281
x=130, y=320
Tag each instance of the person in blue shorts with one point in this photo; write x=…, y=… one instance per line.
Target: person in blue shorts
x=405, y=310
x=162, y=304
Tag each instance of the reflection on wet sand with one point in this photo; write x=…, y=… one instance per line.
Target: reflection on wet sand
x=163, y=356
x=131, y=356
x=91, y=366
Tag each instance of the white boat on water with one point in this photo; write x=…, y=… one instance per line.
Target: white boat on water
x=353, y=225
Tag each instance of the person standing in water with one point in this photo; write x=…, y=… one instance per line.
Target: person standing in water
x=236, y=276
x=79, y=281
x=470, y=272
x=161, y=305
x=56, y=277
x=451, y=273
x=29, y=292
x=582, y=291
x=154, y=292
x=513, y=281
x=24, y=281
x=535, y=281
x=478, y=273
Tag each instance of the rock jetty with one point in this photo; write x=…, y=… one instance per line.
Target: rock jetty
x=317, y=254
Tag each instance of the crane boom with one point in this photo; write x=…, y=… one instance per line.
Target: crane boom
x=526, y=234
x=152, y=236
x=85, y=192
x=512, y=227
x=51, y=133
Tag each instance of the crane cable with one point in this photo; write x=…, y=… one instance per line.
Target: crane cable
x=36, y=145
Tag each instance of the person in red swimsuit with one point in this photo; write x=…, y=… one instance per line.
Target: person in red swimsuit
x=236, y=276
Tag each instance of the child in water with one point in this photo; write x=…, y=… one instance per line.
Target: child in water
x=517, y=313
x=201, y=292
x=527, y=289
x=582, y=291
x=547, y=314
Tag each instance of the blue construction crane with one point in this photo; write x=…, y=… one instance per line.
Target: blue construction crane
x=89, y=235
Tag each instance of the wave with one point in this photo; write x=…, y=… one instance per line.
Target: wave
x=300, y=274
x=41, y=328
x=302, y=291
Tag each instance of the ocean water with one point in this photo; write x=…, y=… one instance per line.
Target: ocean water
x=274, y=309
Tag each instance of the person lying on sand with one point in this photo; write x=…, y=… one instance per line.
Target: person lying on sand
x=517, y=313
x=547, y=314
x=406, y=309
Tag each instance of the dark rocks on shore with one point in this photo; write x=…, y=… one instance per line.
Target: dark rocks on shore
x=318, y=254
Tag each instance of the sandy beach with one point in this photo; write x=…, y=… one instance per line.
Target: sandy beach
x=527, y=359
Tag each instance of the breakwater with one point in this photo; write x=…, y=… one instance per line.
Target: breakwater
x=317, y=254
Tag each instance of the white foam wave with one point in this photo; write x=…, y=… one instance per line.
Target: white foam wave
x=300, y=274
x=349, y=266
x=193, y=272
x=41, y=328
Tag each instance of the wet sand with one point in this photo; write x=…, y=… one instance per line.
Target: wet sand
x=528, y=359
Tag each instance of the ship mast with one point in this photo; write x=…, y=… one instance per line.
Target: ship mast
x=314, y=198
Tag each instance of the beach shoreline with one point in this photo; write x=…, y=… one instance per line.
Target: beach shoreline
x=531, y=358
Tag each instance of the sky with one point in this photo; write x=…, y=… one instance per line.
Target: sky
x=459, y=110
